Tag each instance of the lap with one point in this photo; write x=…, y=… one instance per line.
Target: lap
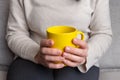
x=69, y=73
x=26, y=70
x=22, y=69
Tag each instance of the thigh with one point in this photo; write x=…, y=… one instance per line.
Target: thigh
x=26, y=70
x=69, y=73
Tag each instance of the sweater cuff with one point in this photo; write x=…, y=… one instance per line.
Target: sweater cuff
x=90, y=60
x=85, y=67
x=30, y=55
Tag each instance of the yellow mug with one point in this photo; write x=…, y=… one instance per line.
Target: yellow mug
x=63, y=36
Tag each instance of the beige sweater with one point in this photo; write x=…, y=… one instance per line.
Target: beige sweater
x=28, y=20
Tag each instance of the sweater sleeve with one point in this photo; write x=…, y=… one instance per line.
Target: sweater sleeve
x=100, y=35
x=18, y=36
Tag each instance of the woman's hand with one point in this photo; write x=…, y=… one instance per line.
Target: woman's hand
x=76, y=56
x=48, y=56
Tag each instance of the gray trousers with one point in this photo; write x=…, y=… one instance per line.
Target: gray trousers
x=22, y=69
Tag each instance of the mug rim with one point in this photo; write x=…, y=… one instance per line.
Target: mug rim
x=51, y=27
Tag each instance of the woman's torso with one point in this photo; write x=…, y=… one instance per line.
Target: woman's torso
x=41, y=14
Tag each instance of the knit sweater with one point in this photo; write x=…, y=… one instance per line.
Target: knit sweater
x=28, y=20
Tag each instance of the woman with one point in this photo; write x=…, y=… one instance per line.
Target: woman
x=26, y=36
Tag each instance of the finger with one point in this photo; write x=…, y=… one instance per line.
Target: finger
x=76, y=51
x=53, y=58
x=46, y=43
x=53, y=65
x=82, y=44
x=50, y=51
x=70, y=63
x=73, y=58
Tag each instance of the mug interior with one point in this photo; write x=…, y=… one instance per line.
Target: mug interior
x=61, y=29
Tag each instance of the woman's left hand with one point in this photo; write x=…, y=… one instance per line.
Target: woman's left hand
x=76, y=56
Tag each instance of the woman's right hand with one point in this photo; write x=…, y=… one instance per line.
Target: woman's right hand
x=47, y=56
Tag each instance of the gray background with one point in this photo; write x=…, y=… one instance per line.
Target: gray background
x=112, y=57
x=5, y=54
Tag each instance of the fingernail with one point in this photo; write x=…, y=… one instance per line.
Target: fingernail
x=59, y=52
x=64, y=54
x=65, y=61
x=67, y=48
x=49, y=42
x=75, y=40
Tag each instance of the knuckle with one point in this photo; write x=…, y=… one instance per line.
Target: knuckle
x=49, y=65
x=80, y=51
x=73, y=50
x=57, y=59
x=52, y=58
x=73, y=65
x=45, y=57
x=52, y=51
x=82, y=61
x=54, y=66
x=46, y=42
x=57, y=66
x=79, y=59
x=43, y=50
x=43, y=42
x=85, y=53
x=55, y=52
x=84, y=43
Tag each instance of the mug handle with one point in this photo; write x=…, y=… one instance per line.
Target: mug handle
x=82, y=35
